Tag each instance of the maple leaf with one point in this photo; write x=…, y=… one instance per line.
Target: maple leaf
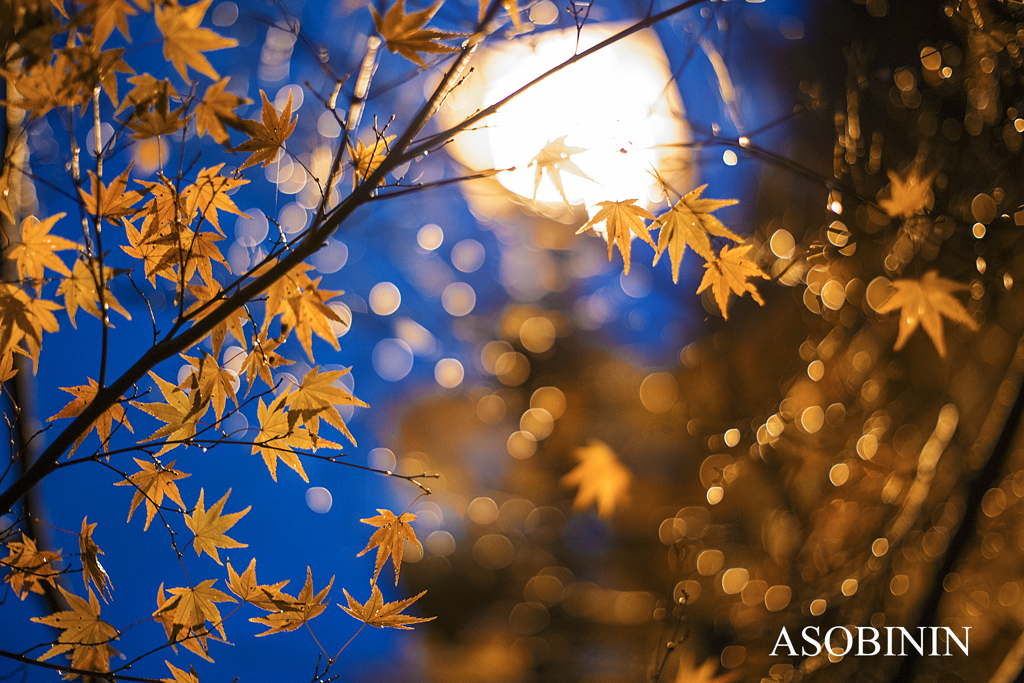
x=268, y=137
x=234, y=323
x=302, y=307
x=192, y=608
x=728, y=273
x=619, y=219
x=209, y=527
x=261, y=359
x=600, y=477
x=247, y=588
x=84, y=394
x=404, y=33
x=296, y=613
x=689, y=673
x=158, y=120
x=91, y=567
x=390, y=539
x=194, y=639
x=151, y=483
x=7, y=369
x=181, y=676
x=924, y=302
x=110, y=202
x=216, y=108
x=277, y=437
x=82, y=632
x=690, y=222
x=24, y=319
x=146, y=91
x=366, y=160
x=316, y=398
x=30, y=567
x=46, y=86
x=553, y=159
x=379, y=614
x=909, y=195
x=209, y=193
x=110, y=14
x=36, y=249
x=184, y=41
x=179, y=413
x=80, y=290
x=210, y=382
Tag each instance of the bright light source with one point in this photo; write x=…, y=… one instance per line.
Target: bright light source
x=619, y=104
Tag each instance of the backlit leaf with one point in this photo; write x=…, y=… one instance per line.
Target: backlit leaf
x=728, y=274
x=184, y=41
x=390, y=539
x=404, y=33
x=690, y=223
x=925, y=302
x=91, y=567
x=151, y=483
x=600, y=477
x=268, y=137
x=379, y=614
x=621, y=218
x=294, y=614
x=209, y=527
x=84, y=394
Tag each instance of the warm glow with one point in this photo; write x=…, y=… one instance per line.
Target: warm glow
x=614, y=104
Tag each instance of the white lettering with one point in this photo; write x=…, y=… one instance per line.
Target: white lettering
x=950, y=636
x=905, y=636
x=784, y=640
x=828, y=641
x=861, y=630
x=807, y=639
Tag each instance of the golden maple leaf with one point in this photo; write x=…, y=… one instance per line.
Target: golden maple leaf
x=248, y=589
x=619, y=219
x=261, y=359
x=553, y=159
x=689, y=222
x=82, y=632
x=184, y=41
x=234, y=323
x=180, y=676
x=107, y=15
x=689, y=673
x=209, y=527
x=157, y=120
x=210, y=382
x=194, y=639
x=209, y=193
x=46, y=86
x=91, y=567
x=390, y=539
x=924, y=302
x=268, y=137
x=151, y=483
x=278, y=436
x=317, y=397
x=404, y=33
x=909, y=195
x=36, y=249
x=84, y=394
x=379, y=614
x=23, y=318
x=302, y=307
x=600, y=477
x=179, y=413
x=216, y=108
x=29, y=567
x=728, y=273
x=110, y=202
x=146, y=91
x=190, y=608
x=365, y=160
x=295, y=612
x=80, y=290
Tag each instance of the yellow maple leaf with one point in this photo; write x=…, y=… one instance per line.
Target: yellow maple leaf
x=23, y=318
x=689, y=222
x=80, y=290
x=908, y=195
x=365, y=160
x=179, y=413
x=209, y=527
x=210, y=383
x=146, y=91
x=216, y=108
x=404, y=33
x=157, y=120
x=379, y=614
x=266, y=138
x=84, y=394
x=248, y=589
x=600, y=477
x=278, y=436
x=302, y=307
x=91, y=567
x=29, y=567
x=261, y=359
x=925, y=302
x=193, y=638
x=619, y=219
x=728, y=274
x=151, y=483
x=290, y=615
x=190, y=608
x=390, y=539
x=180, y=676
x=36, y=249
x=553, y=159
x=234, y=323
x=209, y=193
x=110, y=202
x=82, y=632
x=317, y=397
x=184, y=41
